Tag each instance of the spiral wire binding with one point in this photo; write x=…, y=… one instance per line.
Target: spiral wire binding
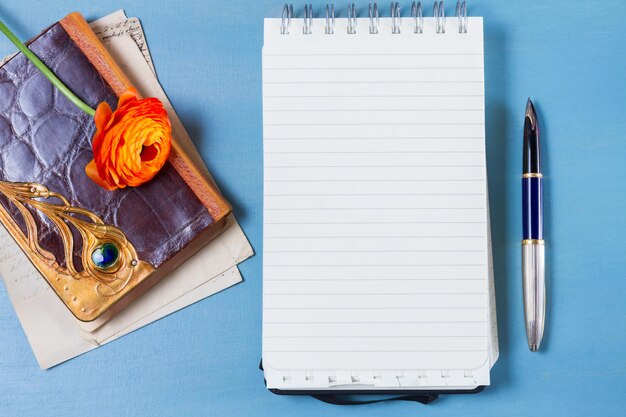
x=396, y=18
x=308, y=19
x=374, y=18
x=418, y=19
x=461, y=14
x=286, y=19
x=351, y=19
x=440, y=17
x=330, y=19
x=396, y=21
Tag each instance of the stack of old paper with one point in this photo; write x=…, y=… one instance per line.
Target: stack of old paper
x=54, y=334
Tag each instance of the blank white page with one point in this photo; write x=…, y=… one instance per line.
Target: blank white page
x=375, y=242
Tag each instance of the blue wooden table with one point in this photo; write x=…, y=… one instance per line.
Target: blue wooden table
x=569, y=56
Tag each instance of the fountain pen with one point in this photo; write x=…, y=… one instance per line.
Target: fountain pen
x=533, y=245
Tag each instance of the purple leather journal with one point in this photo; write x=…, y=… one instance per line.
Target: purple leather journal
x=46, y=141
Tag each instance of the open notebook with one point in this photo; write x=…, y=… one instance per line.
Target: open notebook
x=376, y=253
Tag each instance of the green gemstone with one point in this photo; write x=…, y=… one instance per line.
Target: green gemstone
x=105, y=256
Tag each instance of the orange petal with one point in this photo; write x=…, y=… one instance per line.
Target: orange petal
x=128, y=95
x=103, y=114
x=92, y=172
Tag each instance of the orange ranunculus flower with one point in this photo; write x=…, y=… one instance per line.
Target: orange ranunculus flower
x=131, y=144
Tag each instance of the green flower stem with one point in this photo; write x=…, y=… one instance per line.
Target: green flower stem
x=46, y=71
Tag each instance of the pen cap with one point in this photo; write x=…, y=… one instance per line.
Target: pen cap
x=533, y=280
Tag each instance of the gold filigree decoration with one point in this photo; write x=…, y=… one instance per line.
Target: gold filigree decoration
x=90, y=292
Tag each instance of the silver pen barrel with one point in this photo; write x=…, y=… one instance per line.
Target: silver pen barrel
x=533, y=275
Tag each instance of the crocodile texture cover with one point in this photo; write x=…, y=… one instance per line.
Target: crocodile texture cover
x=47, y=140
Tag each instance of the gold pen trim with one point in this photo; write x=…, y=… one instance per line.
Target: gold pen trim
x=532, y=175
x=533, y=242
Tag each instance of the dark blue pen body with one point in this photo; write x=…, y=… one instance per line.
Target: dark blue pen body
x=532, y=208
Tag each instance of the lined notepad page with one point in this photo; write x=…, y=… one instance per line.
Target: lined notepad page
x=375, y=207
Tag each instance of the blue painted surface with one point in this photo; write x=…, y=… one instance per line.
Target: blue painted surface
x=532, y=208
x=567, y=55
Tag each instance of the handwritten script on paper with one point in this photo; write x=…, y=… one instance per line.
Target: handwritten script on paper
x=131, y=26
x=27, y=281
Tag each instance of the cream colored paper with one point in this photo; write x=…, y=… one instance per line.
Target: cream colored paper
x=54, y=334
x=118, y=25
